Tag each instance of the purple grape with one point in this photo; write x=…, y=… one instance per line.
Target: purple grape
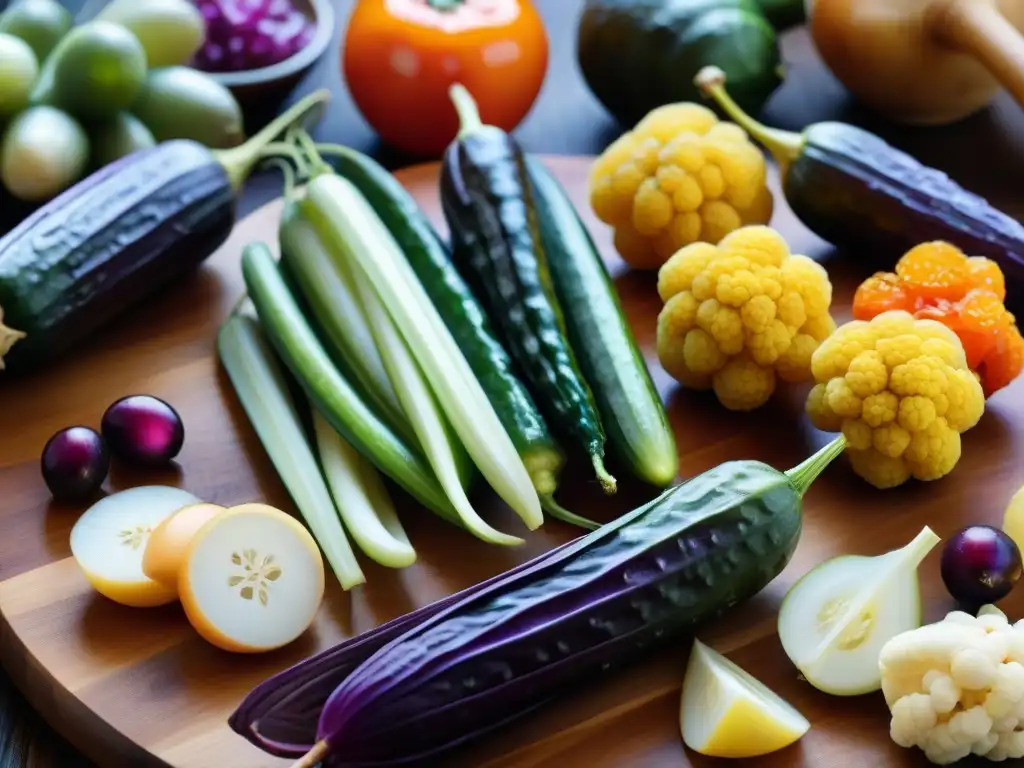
x=74, y=463
x=980, y=565
x=142, y=429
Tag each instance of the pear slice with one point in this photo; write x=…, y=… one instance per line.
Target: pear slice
x=836, y=618
x=725, y=712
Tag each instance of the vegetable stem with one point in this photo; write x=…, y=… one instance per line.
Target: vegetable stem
x=312, y=758
x=608, y=483
x=808, y=470
x=239, y=161
x=784, y=145
x=466, y=108
x=287, y=170
x=559, y=512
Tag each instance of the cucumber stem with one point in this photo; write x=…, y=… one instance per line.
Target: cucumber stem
x=785, y=146
x=608, y=483
x=287, y=171
x=316, y=164
x=239, y=161
x=467, y=110
x=559, y=512
x=805, y=473
x=312, y=758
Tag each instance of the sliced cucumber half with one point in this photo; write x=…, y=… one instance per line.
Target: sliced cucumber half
x=836, y=618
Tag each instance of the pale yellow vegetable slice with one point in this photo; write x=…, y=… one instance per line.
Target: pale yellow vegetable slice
x=252, y=579
x=109, y=540
x=726, y=712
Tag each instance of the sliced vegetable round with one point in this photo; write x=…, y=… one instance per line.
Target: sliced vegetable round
x=169, y=541
x=109, y=539
x=980, y=564
x=75, y=462
x=143, y=429
x=252, y=579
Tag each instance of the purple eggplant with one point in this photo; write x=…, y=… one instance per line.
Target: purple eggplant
x=566, y=618
x=871, y=199
x=117, y=236
x=280, y=714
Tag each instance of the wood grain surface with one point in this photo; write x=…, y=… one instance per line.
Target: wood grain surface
x=138, y=687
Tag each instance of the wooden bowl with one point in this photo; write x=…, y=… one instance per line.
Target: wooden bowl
x=274, y=82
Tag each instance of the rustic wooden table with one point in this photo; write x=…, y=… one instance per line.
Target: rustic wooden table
x=984, y=153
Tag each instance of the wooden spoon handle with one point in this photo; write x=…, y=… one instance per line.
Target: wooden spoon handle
x=977, y=28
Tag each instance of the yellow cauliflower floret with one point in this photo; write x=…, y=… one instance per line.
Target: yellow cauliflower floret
x=680, y=177
x=737, y=316
x=900, y=391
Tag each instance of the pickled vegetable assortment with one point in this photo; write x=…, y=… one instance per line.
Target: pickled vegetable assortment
x=937, y=281
x=679, y=177
x=900, y=390
x=741, y=315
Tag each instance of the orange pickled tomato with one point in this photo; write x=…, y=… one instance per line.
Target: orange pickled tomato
x=1004, y=363
x=935, y=270
x=985, y=273
x=879, y=293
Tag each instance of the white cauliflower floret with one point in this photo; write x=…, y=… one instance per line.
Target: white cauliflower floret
x=956, y=687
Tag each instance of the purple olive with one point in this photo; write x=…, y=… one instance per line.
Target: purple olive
x=142, y=429
x=75, y=463
x=980, y=565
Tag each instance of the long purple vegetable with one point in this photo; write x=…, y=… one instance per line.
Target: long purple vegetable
x=598, y=604
x=280, y=714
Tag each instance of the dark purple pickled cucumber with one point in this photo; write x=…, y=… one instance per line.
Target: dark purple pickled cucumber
x=142, y=429
x=980, y=565
x=75, y=463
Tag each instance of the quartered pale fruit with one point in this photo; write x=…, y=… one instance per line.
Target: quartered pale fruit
x=109, y=540
x=252, y=579
x=836, y=618
x=725, y=712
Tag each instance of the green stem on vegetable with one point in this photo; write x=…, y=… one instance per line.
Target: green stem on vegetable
x=559, y=512
x=281, y=149
x=317, y=164
x=239, y=161
x=784, y=145
x=808, y=470
x=467, y=110
x=304, y=163
x=287, y=170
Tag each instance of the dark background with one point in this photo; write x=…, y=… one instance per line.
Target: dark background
x=984, y=153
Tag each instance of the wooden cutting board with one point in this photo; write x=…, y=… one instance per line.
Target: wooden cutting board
x=135, y=687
